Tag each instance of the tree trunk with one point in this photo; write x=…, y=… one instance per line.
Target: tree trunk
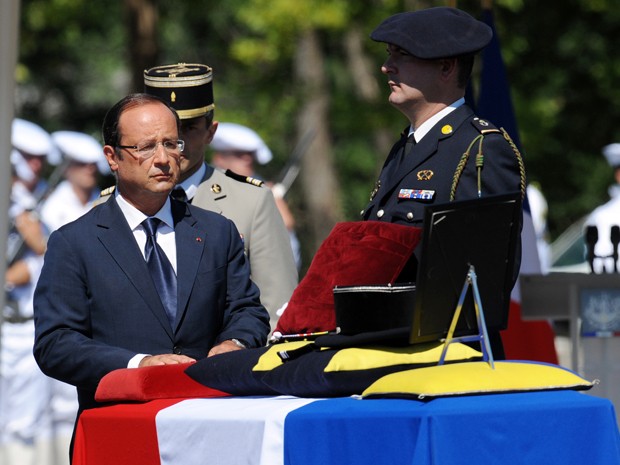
x=363, y=72
x=318, y=174
x=141, y=20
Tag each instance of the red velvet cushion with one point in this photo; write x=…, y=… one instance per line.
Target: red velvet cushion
x=149, y=383
x=361, y=252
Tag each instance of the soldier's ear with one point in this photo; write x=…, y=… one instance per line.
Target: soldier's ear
x=111, y=156
x=211, y=132
x=448, y=67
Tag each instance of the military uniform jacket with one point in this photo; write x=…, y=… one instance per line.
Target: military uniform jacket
x=428, y=173
x=436, y=171
x=266, y=240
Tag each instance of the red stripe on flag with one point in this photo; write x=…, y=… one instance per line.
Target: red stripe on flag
x=133, y=440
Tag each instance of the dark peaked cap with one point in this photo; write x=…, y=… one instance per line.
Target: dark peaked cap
x=439, y=32
x=187, y=87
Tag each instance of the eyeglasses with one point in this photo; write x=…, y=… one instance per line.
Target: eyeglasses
x=148, y=149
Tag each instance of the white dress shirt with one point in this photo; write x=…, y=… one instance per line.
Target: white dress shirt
x=165, y=238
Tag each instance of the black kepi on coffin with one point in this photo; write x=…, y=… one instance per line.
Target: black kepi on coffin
x=372, y=314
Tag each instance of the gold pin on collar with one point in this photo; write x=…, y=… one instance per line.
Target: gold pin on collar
x=216, y=188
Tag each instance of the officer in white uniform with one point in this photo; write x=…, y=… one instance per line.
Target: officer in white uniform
x=25, y=422
x=607, y=215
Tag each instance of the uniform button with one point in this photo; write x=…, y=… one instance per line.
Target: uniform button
x=362, y=213
x=380, y=213
x=410, y=216
x=177, y=350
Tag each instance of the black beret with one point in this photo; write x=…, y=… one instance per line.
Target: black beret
x=188, y=88
x=432, y=33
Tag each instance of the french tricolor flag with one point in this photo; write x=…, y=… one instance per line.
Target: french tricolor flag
x=225, y=431
x=166, y=418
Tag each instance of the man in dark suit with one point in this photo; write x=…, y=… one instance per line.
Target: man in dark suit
x=97, y=306
x=446, y=153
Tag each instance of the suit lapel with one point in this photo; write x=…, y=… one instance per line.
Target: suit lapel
x=190, y=242
x=118, y=240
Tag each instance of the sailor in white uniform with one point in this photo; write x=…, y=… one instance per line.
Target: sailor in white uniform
x=73, y=197
x=607, y=215
x=25, y=421
x=237, y=148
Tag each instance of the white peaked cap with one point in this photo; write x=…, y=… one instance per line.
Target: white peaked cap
x=612, y=154
x=232, y=136
x=81, y=147
x=32, y=139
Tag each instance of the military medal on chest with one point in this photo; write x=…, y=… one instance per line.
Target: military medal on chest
x=418, y=194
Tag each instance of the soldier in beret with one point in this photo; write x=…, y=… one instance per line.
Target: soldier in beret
x=446, y=152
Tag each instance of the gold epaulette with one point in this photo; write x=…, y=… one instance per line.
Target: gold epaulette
x=104, y=195
x=107, y=191
x=247, y=179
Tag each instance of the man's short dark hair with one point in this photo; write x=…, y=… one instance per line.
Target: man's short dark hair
x=110, y=131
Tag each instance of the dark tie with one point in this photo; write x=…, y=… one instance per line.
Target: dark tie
x=161, y=270
x=179, y=194
x=399, y=159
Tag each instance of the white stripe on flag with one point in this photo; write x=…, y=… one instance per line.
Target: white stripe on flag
x=225, y=431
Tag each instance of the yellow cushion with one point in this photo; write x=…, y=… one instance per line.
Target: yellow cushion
x=365, y=358
x=343, y=372
x=469, y=378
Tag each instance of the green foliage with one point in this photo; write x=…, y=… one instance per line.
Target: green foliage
x=70, y=62
x=562, y=61
x=564, y=70
x=274, y=26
